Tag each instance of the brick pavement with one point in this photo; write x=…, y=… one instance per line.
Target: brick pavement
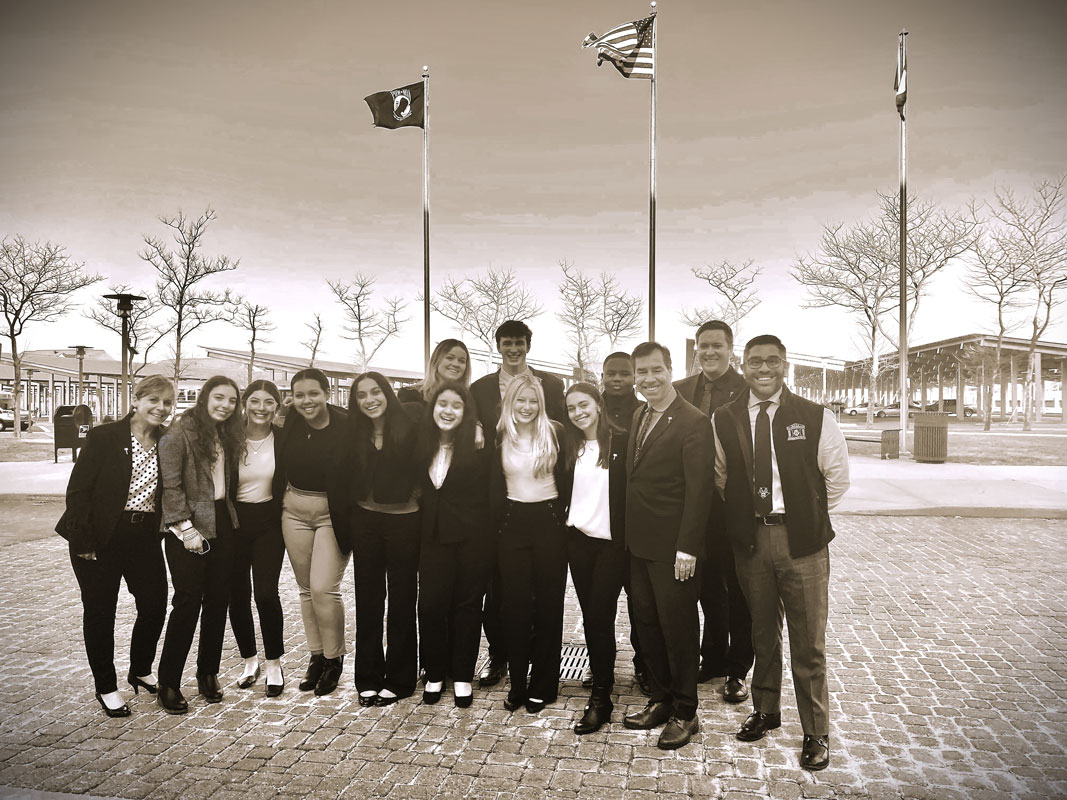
x=947, y=669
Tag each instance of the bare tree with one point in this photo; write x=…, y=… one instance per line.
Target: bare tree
x=580, y=304
x=1034, y=230
x=143, y=328
x=255, y=319
x=996, y=276
x=733, y=285
x=368, y=327
x=620, y=311
x=480, y=304
x=313, y=342
x=36, y=284
x=180, y=272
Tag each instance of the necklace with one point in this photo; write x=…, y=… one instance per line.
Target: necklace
x=255, y=445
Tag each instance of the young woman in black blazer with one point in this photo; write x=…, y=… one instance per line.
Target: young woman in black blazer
x=258, y=544
x=198, y=462
x=385, y=541
x=457, y=552
x=596, y=537
x=112, y=525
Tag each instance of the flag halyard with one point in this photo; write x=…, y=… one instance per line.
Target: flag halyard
x=627, y=47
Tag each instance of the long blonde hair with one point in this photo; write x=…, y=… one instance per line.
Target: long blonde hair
x=545, y=443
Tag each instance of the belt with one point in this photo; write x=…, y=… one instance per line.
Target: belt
x=771, y=519
x=135, y=517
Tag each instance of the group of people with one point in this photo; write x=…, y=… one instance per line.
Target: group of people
x=461, y=507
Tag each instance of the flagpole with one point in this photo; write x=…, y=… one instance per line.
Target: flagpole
x=903, y=312
x=652, y=190
x=426, y=215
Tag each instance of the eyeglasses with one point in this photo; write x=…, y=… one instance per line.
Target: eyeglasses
x=773, y=362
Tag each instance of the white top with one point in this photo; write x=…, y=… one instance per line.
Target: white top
x=523, y=487
x=257, y=471
x=218, y=472
x=442, y=460
x=144, y=477
x=590, y=509
x=832, y=456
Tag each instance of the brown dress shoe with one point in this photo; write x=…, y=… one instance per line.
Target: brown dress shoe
x=735, y=690
x=678, y=733
x=757, y=725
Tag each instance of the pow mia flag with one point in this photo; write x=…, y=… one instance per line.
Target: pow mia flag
x=398, y=108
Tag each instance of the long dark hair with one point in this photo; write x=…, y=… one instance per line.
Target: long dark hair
x=429, y=440
x=203, y=429
x=395, y=434
x=604, y=427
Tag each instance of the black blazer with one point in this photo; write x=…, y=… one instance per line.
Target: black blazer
x=458, y=511
x=616, y=486
x=669, y=489
x=730, y=383
x=98, y=488
x=486, y=393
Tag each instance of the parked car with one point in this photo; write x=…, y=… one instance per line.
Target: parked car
x=854, y=411
x=7, y=420
x=949, y=407
x=894, y=411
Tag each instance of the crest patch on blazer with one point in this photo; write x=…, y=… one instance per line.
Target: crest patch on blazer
x=795, y=432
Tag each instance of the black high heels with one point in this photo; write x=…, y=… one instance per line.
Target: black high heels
x=171, y=700
x=138, y=684
x=121, y=711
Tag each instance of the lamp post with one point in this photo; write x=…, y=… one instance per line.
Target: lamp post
x=125, y=306
x=80, y=348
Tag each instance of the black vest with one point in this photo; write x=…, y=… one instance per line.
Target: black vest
x=795, y=432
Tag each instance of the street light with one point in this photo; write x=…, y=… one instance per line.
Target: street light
x=80, y=348
x=125, y=306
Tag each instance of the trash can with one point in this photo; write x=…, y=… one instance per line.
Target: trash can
x=931, y=437
x=72, y=424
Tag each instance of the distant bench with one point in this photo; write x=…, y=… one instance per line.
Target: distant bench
x=888, y=438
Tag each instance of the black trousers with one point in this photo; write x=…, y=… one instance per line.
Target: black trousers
x=492, y=622
x=201, y=592
x=533, y=579
x=726, y=644
x=258, y=549
x=385, y=556
x=134, y=555
x=452, y=582
x=598, y=571
x=665, y=611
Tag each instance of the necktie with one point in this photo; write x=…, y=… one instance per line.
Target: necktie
x=762, y=457
x=642, y=432
x=705, y=401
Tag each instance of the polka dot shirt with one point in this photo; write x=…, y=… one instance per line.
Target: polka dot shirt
x=144, y=477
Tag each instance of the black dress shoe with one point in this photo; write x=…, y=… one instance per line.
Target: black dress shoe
x=171, y=700
x=651, y=716
x=382, y=700
x=757, y=725
x=121, y=711
x=331, y=674
x=274, y=689
x=641, y=679
x=208, y=686
x=587, y=679
x=314, y=672
x=816, y=753
x=248, y=681
x=493, y=673
x=367, y=700
x=535, y=706
x=463, y=700
x=678, y=733
x=513, y=701
x=597, y=714
x=138, y=684
x=429, y=698
x=735, y=690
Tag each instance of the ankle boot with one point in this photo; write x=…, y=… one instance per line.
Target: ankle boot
x=314, y=672
x=331, y=674
x=597, y=712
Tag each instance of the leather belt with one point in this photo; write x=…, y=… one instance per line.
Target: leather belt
x=136, y=517
x=771, y=519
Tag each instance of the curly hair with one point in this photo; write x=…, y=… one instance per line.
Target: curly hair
x=204, y=431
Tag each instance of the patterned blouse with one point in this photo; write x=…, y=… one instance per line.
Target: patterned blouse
x=144, y=477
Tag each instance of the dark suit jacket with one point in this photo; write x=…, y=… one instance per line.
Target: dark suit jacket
x=486, y=393
x=730, y=383
x=669, y=489
x=99, y=487
x=459, y=510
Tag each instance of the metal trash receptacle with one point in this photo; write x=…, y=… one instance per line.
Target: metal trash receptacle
x=931, y=437
x=72, y=424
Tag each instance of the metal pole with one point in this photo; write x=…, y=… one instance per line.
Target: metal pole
x=125, y=362
x=904, y=398
x=652, y=190
x=426, y=215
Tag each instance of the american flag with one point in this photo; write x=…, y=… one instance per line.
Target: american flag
x=628, y=47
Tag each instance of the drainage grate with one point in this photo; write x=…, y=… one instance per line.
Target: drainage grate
x=574, y=659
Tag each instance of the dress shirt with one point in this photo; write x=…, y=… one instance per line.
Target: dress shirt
x=832, y=456
x=505, y=378
x=442, y=460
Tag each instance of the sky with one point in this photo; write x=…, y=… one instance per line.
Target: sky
x=774, y=119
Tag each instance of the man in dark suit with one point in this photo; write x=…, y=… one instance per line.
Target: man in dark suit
x=726, y=645
x=782, y=464
x=513, y=339
x=668, y=498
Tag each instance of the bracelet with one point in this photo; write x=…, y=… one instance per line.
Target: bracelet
x=188, y=537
